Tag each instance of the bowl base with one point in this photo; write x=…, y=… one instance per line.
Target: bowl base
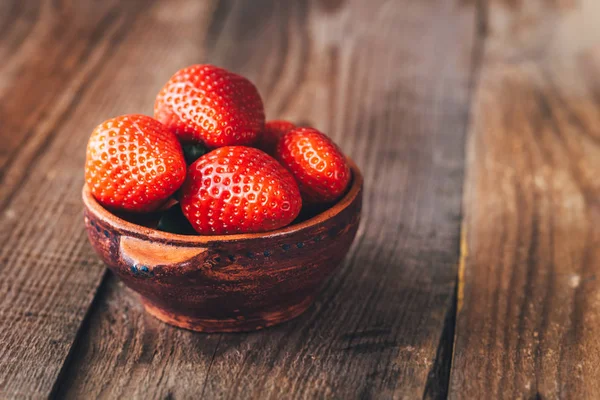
x=240, y=324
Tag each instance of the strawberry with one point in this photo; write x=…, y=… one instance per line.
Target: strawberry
x=269, y=137
x=237, y=189
x=320, y=168
x=209, y=104
x=134, y=163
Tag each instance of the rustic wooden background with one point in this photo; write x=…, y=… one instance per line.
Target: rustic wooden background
x=476, y=124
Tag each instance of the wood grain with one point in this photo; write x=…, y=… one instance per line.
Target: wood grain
x=529, y=305
x=391, y=82
x=368, y=74
x=47, y=66
x=63, y=75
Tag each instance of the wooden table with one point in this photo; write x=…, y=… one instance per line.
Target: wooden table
x=475, y=271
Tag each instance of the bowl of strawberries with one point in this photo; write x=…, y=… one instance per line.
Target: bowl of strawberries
x=219, y=220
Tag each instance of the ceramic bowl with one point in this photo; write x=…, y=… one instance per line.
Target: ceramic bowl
x=226, y=283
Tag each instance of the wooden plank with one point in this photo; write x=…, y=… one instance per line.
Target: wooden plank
x=51, y=51
x=528, y=315
x=48, y=272
x=370, y=75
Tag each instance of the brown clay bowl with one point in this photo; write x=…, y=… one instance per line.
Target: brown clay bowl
x=226, y=283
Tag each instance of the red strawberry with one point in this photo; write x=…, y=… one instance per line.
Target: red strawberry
x=209, y=104
x=133, y=163
x=318, y=165
x=239, y=189
x=269, y=137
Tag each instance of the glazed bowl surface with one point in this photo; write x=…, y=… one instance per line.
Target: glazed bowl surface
x=226, y=283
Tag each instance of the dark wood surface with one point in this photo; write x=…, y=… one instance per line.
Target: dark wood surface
x=51, y=91
x=528, y=322
x=400, y=85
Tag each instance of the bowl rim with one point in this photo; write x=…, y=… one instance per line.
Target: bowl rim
x=136, y=230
